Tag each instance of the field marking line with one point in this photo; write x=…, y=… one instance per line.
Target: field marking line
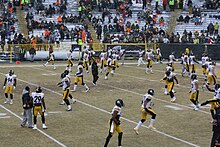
x=161, y=100
x=105, y=111
x=42, y=132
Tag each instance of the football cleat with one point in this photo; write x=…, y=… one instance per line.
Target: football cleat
x=69, y=109
x=6, y=102
x=87, y=89
x=44, y=65
x=106, y=78
x=11, y=102
x=73, y=101
x=195, y=108
x=35, y=127
x=136, y=131
x=44, y=126
x=62, y=103
x=94, y=84
x=173, y=99
x=152, y=128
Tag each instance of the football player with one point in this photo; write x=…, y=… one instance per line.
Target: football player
x=149, y=58
x=168, y=68
x=109, y=67
x=114, y=123
x=146, y=108
x=69, y=60
x=192, y=62
x=205, y=60
x=86, y=60
x=9, y=85
x=115, y=58
x=170, y=77
x=186, y=63
x=171, y=60
x=65, y=84
x=79, y=77
x=51, y=59
x=213, y=101
x=211, y=79
x=39, y=106
x=159, y=56
x=194, y=91
x=140, y=59
x=103, y=57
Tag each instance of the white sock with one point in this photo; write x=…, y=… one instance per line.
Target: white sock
x=74, y=87
x=152, y=122
x=46, y=63
x=138, y=125
x=86, y=86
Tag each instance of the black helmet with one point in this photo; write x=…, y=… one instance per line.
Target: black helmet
x=11, y=72
x=150, y=92
x=38, y=89
x=193, y=76
x=168, y=73
x=119, y=103
x=63, y=75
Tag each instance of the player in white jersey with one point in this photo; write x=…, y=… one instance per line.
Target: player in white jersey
x=122, y=55
x=69, y=60
x=193, y=61
x=38, y=106
x=211, y=79
x=213, y=101
x=186, y=62
x=65, y=84
x=114, y=123
x=205, y=59
x=103, y=57
x=110, y=66
x=169, y=79
x=115, y=58
x=140, y=59
x=146, y=108
x=183, y=66
x=149, y=59
x=171, y=60
x=9, y=85
x=168, y=68
x=194, y=91
x=79, y=77
x=86, y=60
x=51, y=59
x=159, y=55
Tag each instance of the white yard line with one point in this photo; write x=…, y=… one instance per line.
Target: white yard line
x=42, y=132
x=105, y=111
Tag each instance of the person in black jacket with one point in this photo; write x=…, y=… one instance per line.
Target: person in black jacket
x=95, y=72
x=27, y=102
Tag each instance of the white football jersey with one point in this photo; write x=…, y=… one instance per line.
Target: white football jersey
x=37, y=98
x=211, y=70
x=65, y=83
x=149, y=103
x=79, y=68
x=193, y=83
x=103, y=56
x=217, y=94
x=149, y=55
x=171, y=58
x=10, y=79
x=118, y=109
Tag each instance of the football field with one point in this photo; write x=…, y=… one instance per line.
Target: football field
x=177, y=124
